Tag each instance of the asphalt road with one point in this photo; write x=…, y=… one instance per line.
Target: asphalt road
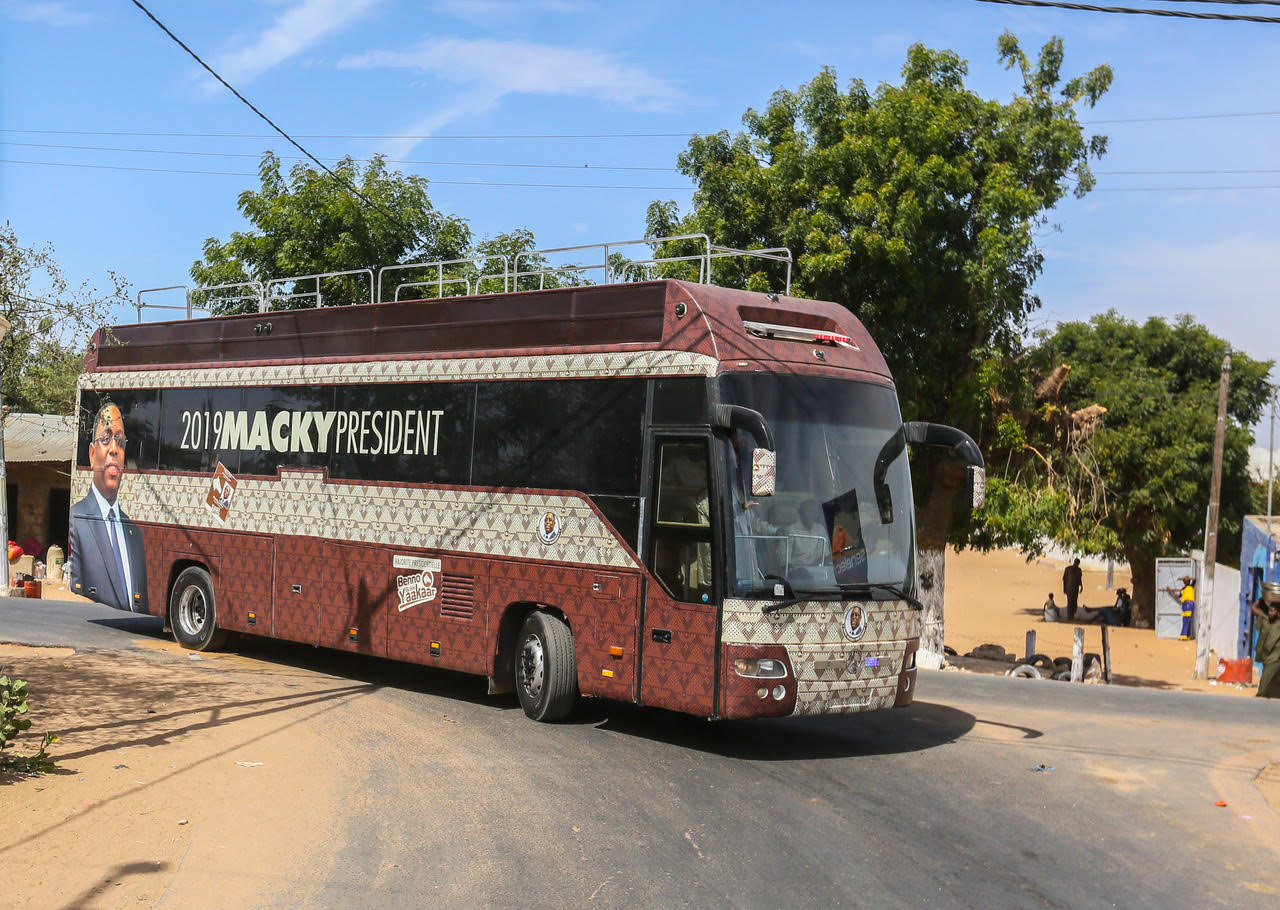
x=457, y=799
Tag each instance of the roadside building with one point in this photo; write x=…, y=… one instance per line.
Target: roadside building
x=37, y=452
x=1259, y=562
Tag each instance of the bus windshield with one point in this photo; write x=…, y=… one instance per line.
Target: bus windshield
x=836, y=523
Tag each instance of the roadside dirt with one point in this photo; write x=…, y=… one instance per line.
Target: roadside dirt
x=996, y=598
x=180, y=783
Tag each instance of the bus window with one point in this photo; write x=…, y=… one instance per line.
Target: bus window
x=682, y=521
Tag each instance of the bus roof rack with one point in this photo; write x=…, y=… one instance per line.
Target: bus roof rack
x=477, y=275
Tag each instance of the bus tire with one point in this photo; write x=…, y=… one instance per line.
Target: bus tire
x=546, y=669
x=193, y=613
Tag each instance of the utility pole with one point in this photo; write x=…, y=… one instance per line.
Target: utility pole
x=1205, y=606
x=4, y=487
x=1271, y=456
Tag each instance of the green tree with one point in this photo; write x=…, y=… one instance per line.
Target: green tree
x=309, y=223
x=51, y=321
x=916, y=206
x=1152, y=452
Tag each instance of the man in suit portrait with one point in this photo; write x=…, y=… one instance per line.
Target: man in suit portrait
x=106, y=556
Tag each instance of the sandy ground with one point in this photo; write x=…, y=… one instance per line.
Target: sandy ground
x=168, y=766
x=996, y=598
x=180, y=783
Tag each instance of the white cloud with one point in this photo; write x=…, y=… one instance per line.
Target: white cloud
x=56, y=14
x=508, y=67
x=293, y=31
x=497, y=12
x=473, y=103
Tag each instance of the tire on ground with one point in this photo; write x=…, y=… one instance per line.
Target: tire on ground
x=1039, y=660
x=546, y=668
x=193, y=614
x=1024, y=671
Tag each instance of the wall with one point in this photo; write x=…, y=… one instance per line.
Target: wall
x=33, y=481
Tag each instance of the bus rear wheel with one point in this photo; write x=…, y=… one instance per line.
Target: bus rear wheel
x=192, y=612
x=546, y=669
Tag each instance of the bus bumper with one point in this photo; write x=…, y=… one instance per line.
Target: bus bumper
x=836, y=678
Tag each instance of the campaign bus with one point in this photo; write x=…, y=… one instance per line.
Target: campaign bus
x=663, y=492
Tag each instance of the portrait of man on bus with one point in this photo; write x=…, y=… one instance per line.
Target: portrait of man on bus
x=105, y=558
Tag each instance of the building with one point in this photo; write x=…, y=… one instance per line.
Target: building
x=37, y=450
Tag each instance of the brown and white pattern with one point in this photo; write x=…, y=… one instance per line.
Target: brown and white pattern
x=302, y=504
x=451, y=369
x=832, y=675
x=817, y=622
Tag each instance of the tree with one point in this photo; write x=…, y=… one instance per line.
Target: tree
x=916, y=206
x=310, y=223
x=51, y=321
x=1153, y=449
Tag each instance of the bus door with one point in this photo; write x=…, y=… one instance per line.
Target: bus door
x=678, y=633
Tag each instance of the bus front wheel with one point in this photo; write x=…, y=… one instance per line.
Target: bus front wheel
x=192, y=613
x=546, y=670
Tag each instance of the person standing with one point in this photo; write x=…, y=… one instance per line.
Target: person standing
x=1072, y=585
x=1267, y=651
x=1188, y=599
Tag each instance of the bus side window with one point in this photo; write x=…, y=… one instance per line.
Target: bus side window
x=682, y=523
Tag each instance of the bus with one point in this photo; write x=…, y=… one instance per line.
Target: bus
x=661, y=492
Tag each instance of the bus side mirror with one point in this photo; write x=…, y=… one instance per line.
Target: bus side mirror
x=934, y=434
x=764, y=471
x=764, y=457
x=977, y=486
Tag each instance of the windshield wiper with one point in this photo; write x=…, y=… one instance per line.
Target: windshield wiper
x=895, y=590
x=784, y=588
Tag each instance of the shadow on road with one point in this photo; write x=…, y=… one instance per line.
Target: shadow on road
x=134, y=624
x=923, y=725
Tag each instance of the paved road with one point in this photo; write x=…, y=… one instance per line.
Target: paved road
x=458, y=799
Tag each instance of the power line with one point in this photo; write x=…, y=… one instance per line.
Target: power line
x=565, y=167
x=1176, y=117
x=342, y=180
x=1128, y=10
x=529, y=165
x=361, y=136
x=609, y=186
x=164, y=170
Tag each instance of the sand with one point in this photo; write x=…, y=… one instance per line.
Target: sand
x=996, y=598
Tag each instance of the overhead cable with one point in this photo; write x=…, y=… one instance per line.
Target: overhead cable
x=1132, y=11
x=338, y=177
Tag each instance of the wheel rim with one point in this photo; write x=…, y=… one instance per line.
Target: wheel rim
x=193, y=611
x=532, y=666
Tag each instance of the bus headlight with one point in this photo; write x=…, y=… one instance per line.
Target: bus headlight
x=760, y=667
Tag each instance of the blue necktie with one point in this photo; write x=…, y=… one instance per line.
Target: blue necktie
x=115, y=546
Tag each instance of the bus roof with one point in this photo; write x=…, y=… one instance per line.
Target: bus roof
x=726, y=328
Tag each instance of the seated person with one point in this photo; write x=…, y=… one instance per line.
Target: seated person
x=1123, y=607
x=810, y=545
x=1050, y=609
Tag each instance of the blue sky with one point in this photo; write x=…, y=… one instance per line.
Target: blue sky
x=75, y=73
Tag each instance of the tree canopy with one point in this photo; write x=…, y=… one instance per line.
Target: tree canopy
x=1150, y=456
x=51, y=321
x=308, y=223
x=915, y=205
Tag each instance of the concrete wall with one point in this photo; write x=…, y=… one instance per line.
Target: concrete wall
x=33, y=481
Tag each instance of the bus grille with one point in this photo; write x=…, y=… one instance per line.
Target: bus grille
x=458, y=597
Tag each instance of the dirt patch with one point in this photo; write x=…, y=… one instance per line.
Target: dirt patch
x=178, y=780
x=996, y=598
x=1268, y=783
